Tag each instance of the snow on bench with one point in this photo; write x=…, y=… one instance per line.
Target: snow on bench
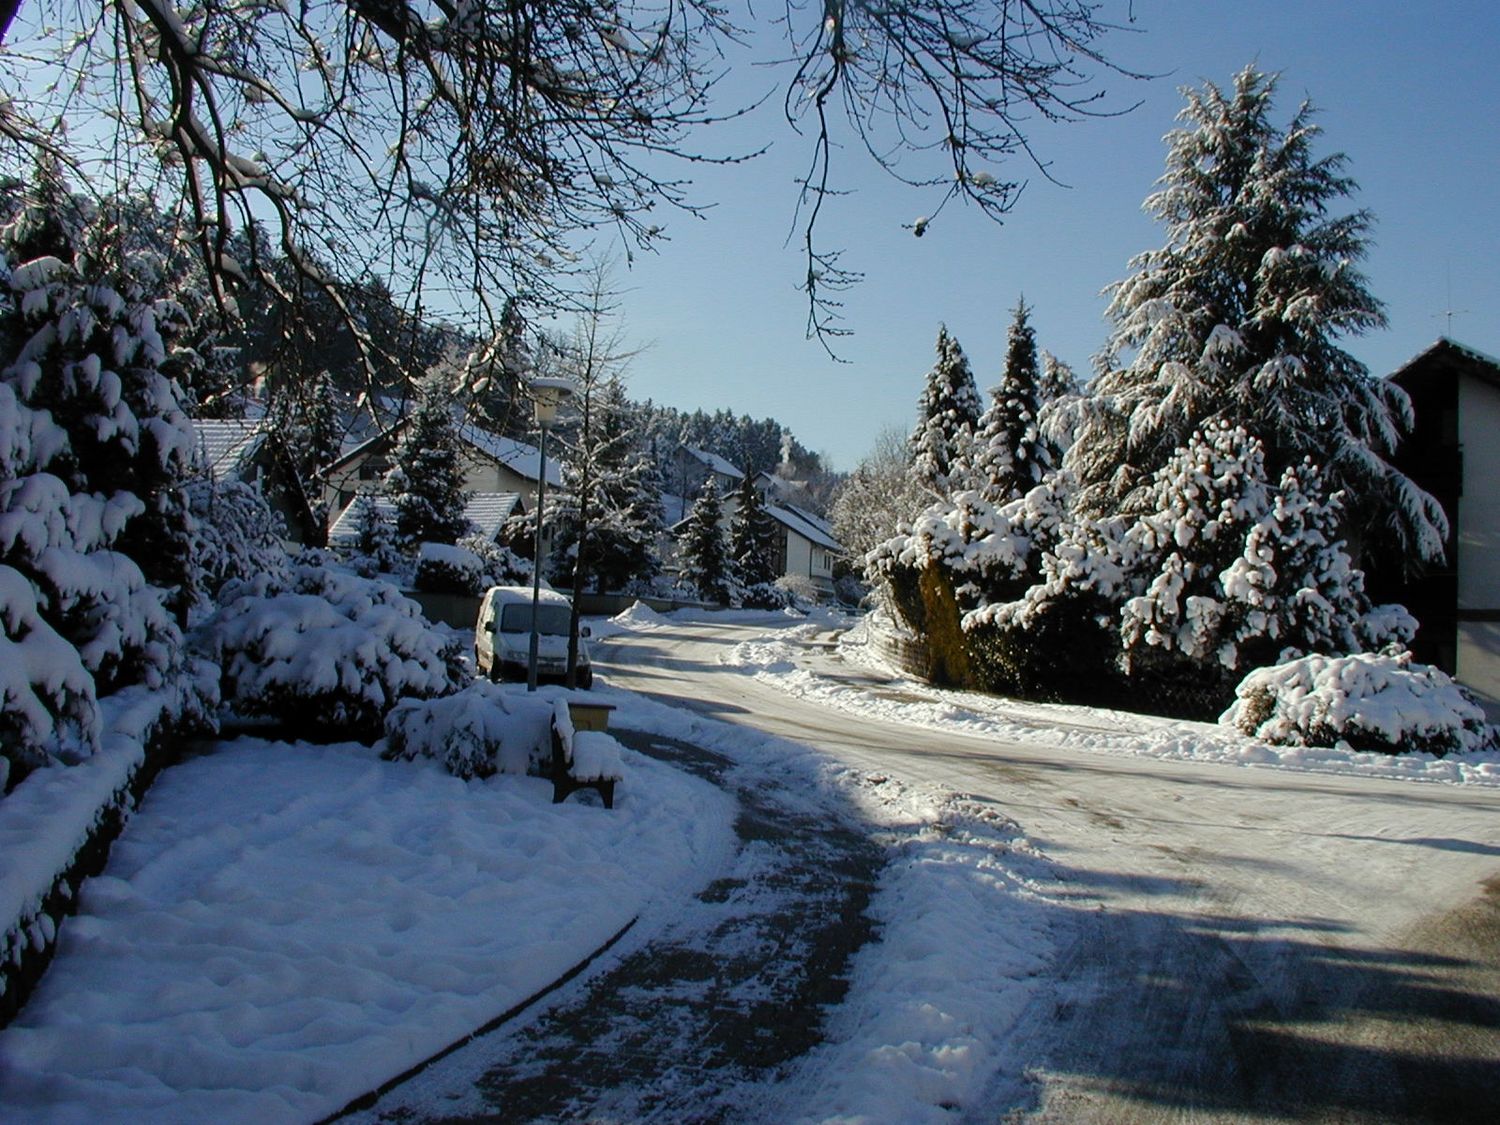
x=581, y=759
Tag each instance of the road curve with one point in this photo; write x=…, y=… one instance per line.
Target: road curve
x=1263, y=944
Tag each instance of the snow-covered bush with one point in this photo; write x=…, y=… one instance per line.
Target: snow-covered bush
x=234, y=534
x=501, y=565
x=442, y=569
x=1367, y=701
x=771, y=595
x=327, y=651
x=477, y=732
x=47, y=701
x=797, y=590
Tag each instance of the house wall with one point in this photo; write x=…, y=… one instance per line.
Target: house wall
x=484, y=474
x=1479, y=542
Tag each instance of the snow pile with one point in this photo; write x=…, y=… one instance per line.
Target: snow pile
x=284, y=927
x=638, y=616
x=477, y=732
x=1369, y=701
x=328, y=649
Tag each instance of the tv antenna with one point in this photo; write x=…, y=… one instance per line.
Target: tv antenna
x=1450, y=312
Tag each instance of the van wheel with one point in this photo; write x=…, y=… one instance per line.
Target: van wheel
x=586, y=679
x=494, y=671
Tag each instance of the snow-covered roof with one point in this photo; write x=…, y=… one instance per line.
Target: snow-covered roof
x=345, y=528
x=813, y=518
x=798, y=521
x=522, y=459
x=1484, y=366
x=224, y=445
x=488, y=511
x=714, y=462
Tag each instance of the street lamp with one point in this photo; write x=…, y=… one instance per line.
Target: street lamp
x=547, y=393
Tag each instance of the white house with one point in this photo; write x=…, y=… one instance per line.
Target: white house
x=807, y=547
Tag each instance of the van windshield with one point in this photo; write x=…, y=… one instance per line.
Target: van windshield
x=550, y=619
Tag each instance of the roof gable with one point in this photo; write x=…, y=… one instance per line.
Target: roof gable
x=1446, y=353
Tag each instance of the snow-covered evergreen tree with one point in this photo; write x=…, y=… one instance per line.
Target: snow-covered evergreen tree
x=947, y=416
x=1237, y=318
x=599, y=501
x=376, y=546
x=1010, y=455
x=427, y=484
x=94, y=448
x=703, y=549
x=752, y=539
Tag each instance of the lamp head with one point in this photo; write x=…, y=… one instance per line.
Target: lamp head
x=547, y=393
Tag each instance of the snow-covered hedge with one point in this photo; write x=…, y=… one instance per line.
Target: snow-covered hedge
x=1369, y=701
x=477, y=732
x=444, y=569
x=327, y=651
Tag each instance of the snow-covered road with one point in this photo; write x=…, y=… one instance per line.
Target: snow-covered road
x=1242, y=941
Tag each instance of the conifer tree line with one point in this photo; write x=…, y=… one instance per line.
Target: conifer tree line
x=1200, y=508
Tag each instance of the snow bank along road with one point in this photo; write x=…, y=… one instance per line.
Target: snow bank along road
x=1242, y=942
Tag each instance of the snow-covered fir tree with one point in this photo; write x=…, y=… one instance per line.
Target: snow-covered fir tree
x=1237, y=318
x=427, y=484
x=1010, y=455
x=703, y=549
x=605, y=535
x=94, y=449
x=947, y=416
x=752, y=538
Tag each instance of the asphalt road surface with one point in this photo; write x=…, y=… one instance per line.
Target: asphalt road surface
x=1263, y=945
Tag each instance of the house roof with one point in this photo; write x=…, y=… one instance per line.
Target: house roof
x=804, y=525
x=345, y=528
x=714, y=462
x=226, y=445
x=485, y=511
x=522, y=459
x=488, y=511
x=1469, y=360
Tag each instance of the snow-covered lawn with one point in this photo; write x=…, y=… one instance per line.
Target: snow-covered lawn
x=783, y=658
x=285, y=926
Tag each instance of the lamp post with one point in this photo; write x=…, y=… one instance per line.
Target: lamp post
x=548, y=394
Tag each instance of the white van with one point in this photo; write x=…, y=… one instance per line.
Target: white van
x=502, y=636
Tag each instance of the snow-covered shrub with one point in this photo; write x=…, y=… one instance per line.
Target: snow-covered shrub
x=768, y=595
x=327, y=651
x=476, y=732
x=1367, y=701
x=501, y=565
x=442, y=569
x=798, y=590
x=235, y=534
x=47, y=703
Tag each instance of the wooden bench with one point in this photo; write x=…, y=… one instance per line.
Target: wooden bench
x=566, y=773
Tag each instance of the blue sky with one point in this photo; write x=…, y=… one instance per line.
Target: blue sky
x=1409, y=91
